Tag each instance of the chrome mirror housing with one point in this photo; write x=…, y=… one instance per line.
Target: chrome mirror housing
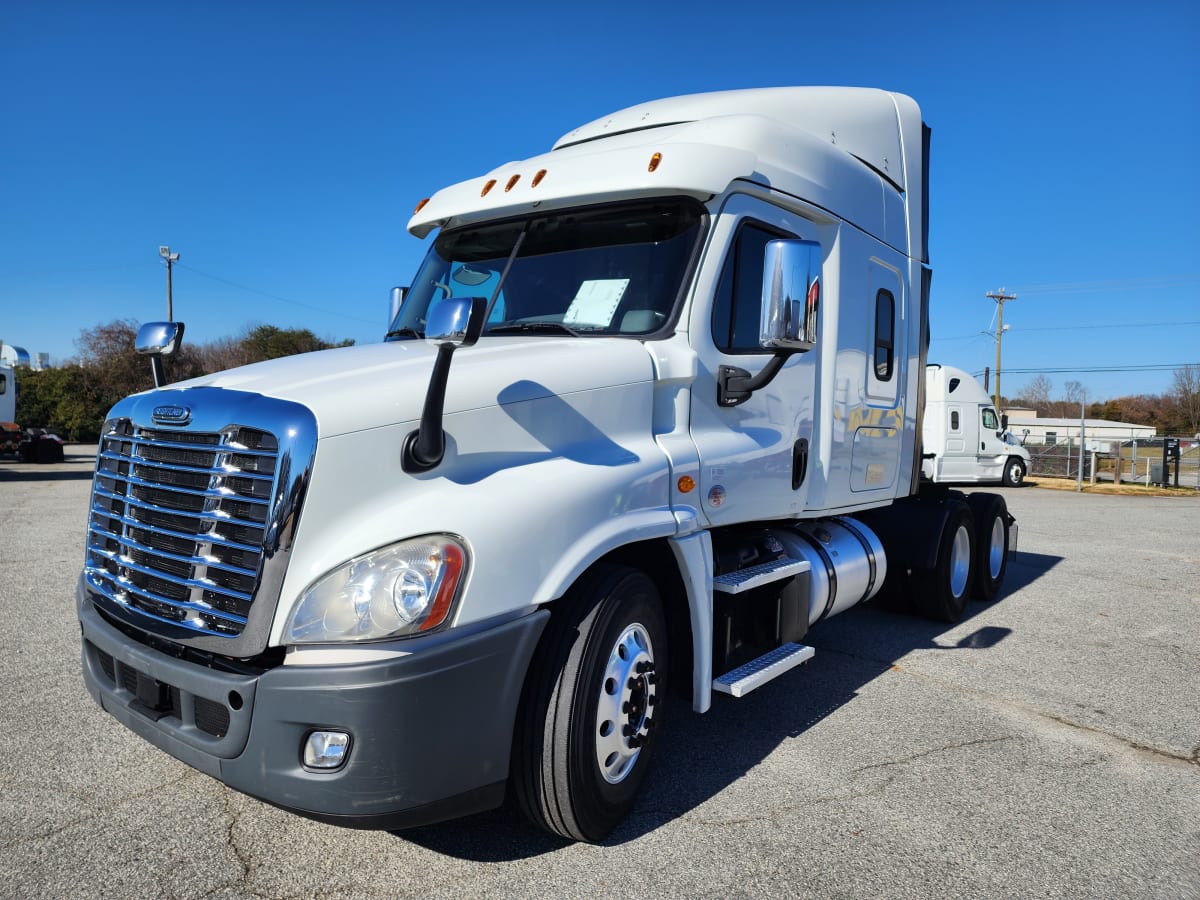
x=455, y=321
x=159, y=338
x=791, y=295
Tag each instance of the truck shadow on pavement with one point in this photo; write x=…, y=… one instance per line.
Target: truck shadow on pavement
x=700, y=756
x=33, y=474
x=78, y=465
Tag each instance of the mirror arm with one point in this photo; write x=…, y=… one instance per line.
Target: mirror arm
x=735, y=386
x=425, y=447
x=158, y=370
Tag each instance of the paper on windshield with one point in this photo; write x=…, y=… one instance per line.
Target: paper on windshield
x=596, y=302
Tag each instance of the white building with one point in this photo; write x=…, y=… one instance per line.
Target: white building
x=1030, y=428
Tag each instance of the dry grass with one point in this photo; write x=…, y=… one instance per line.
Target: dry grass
x=1107, y=487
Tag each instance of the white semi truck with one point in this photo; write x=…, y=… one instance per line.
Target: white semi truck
x=649, y=411
x=966, y=441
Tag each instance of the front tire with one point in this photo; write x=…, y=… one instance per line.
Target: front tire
x=1014, y=472
x=593, y=700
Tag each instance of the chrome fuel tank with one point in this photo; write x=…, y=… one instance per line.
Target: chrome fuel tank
x=847, y=562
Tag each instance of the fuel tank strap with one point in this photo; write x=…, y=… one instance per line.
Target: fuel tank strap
x=830, y=571
x=853, y=527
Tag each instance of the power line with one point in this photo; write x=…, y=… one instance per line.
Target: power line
x=1153, y=367
x=1019, y=329
x=248, y=289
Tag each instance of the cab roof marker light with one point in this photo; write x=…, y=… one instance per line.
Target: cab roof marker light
x=537, y=179
x=654, y=162
x=512, y=183
x=487, y=187
x=420, y=206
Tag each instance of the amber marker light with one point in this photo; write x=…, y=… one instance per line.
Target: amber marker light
x=420, y=206
x=512, y=183
x=686, y=484
x=654, y=161
x=537, y=179
x=487, y=187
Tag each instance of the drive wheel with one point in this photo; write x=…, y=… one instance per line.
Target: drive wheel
x=991, y=543
x=942, y=591
x=1014, y=472
x=592, y=702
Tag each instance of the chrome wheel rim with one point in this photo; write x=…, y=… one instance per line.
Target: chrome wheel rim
x=996, y=549
x=960, y=561
x=625, y=710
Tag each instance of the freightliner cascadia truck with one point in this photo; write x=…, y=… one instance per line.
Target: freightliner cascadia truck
x=966, y=441
x=649, y=410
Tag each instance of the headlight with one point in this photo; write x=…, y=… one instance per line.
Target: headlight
x=403, y=589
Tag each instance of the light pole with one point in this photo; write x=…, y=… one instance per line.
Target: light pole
x=171, y=258
x=1001, y=298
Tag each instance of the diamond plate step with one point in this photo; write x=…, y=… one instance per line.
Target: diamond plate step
x=755, y=576
x=758, y=672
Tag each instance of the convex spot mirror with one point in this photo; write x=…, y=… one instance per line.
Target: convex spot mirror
x=791, y=295
x=457, y=321
x=159, y=338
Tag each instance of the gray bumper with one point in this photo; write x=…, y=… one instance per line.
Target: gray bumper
x=430, y=732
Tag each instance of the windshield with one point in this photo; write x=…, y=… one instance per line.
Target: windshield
x=607, y=270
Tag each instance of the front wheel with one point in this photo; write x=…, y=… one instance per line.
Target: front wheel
x=592, y=704
x=1014, y=472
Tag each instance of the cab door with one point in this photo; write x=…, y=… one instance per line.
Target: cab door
x=991, y=448
x=756, y=457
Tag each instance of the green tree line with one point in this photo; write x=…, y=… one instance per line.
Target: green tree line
x=73, y=400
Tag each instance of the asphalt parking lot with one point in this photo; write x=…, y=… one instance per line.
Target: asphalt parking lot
x=1046, y=746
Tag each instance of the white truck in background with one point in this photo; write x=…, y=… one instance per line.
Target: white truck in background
x=966, y=441
x=28, y=444
x=650, y=411
x=8, y=395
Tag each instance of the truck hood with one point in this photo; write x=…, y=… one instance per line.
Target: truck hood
x=358, y=388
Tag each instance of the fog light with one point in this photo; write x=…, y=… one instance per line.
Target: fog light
x=326, y=749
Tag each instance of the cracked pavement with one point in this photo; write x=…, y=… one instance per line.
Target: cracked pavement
x=1046, y=746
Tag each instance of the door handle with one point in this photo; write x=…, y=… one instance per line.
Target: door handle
x=799, y=462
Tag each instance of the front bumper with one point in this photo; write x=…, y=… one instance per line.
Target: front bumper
x=430, y=732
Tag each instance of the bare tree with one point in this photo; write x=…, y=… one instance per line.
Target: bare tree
x=1036, y=394
x=1185, y=388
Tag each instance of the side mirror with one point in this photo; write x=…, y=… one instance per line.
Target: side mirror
x=452, y=323
x=156, y=340
x=791, y=295
x=1004, y=422
x=791, y=300
x=397, y=301
x=457, y=321
x=159, y=338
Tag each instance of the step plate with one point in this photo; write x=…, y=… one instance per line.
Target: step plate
x=757, y=672
x=755, y=576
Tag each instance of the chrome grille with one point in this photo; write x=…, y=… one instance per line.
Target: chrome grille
x=179, y=523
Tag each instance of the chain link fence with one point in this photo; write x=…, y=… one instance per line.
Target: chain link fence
x=1140, y=462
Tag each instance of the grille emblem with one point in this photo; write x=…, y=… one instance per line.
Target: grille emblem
x=171, y=415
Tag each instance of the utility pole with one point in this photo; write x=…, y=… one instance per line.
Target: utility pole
x=172, y=258
x=1001, y=298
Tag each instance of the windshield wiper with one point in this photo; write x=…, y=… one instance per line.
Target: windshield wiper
x=404, y=332
x=513, y=327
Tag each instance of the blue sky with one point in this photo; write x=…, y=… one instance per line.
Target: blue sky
x=281, y=147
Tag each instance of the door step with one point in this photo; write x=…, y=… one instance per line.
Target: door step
x=757, y=672
x=756, y=576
